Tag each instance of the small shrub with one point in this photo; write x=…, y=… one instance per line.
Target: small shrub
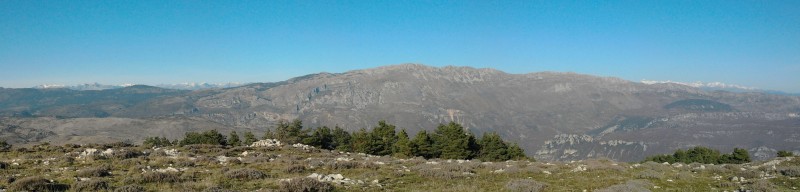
x=217, y=189
x=130, y=188
x=727, y=185
x=525, y=185
x=716, y=169
x=100, y=171
x=90, y=185
x=4, y=165
x=649, y=174
x=158, y=177
x=750, y=174
x=785, y=154
x=336, y=165
x=245, y=174
x=36, y=184
x=126, y=154
x=763, y=186
x=304, y=185
x=295, y=169
x=687, y=176
x=185, y=163
x=791, y=171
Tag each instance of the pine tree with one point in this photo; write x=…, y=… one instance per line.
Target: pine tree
x=422, y=145
x=233, y=139
x=402, y=148
x=321, y=137
x=342, y=139
x=361, y=141
x=290, y=132
x=268, y=135
x=493, y=148
x=453, y=142
x=249, y=138
x=516, y=153
x=382, y=138
x=5, y=146
x=211, y=137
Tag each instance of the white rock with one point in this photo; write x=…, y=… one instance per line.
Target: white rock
x=108, y=152
x=267, y=143
x=168, y=169
x=343, y=159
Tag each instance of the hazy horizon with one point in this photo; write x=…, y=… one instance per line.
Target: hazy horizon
x=748, y=43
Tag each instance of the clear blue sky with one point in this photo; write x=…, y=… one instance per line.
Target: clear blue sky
x=752, y=43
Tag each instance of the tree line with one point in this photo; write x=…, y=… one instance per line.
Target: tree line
x=447, y=141
x=703, y=155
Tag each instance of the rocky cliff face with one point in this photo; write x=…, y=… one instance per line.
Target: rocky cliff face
x=600, y=116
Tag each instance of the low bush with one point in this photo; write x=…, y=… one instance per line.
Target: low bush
x=36, y=184
x=245, y=174
x=762, y=186
x=295, y=169
x=130, y=188
x=158, y=177
x=217, y=189
x=336, y=165
x=649, y=174
x=304, y=184
x=525, y=185
x=791, y=171
x=4, y=165
x=727, y=185
x=126, y=154
x=100, y=171
x=90, y=185
x=441, y=174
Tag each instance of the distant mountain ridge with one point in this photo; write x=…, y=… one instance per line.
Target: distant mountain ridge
x=552, y=115
x=719, y=86
x=181, y=86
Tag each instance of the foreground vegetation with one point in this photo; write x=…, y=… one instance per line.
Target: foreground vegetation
x=203, y=167
x=383, y=159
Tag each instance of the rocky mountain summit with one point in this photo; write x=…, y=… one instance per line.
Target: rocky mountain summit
x=553, y=116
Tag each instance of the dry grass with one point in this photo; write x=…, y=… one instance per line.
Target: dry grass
x=158, y=177
x=525, y=185
x=99, y=171
x=246, y=174
x=130, y=188
x=91, y=185
x=36, y=184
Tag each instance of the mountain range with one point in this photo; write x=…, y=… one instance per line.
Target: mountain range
x=98, y=86
x=553, y=116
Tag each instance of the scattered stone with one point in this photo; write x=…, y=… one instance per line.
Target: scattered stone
x=267, y=143
x=303, y=146
x=343, y=159
x=334, y=178
x=579, y=168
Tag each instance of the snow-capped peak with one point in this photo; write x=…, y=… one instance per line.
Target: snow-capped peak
x=706, y=85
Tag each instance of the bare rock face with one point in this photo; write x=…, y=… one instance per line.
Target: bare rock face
x=553, y=116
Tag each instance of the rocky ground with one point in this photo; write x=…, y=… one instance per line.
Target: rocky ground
x=269, y=165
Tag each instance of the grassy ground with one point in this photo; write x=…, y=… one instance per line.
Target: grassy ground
x=217, y=168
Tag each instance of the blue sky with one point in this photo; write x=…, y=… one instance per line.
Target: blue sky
x=751, y=43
